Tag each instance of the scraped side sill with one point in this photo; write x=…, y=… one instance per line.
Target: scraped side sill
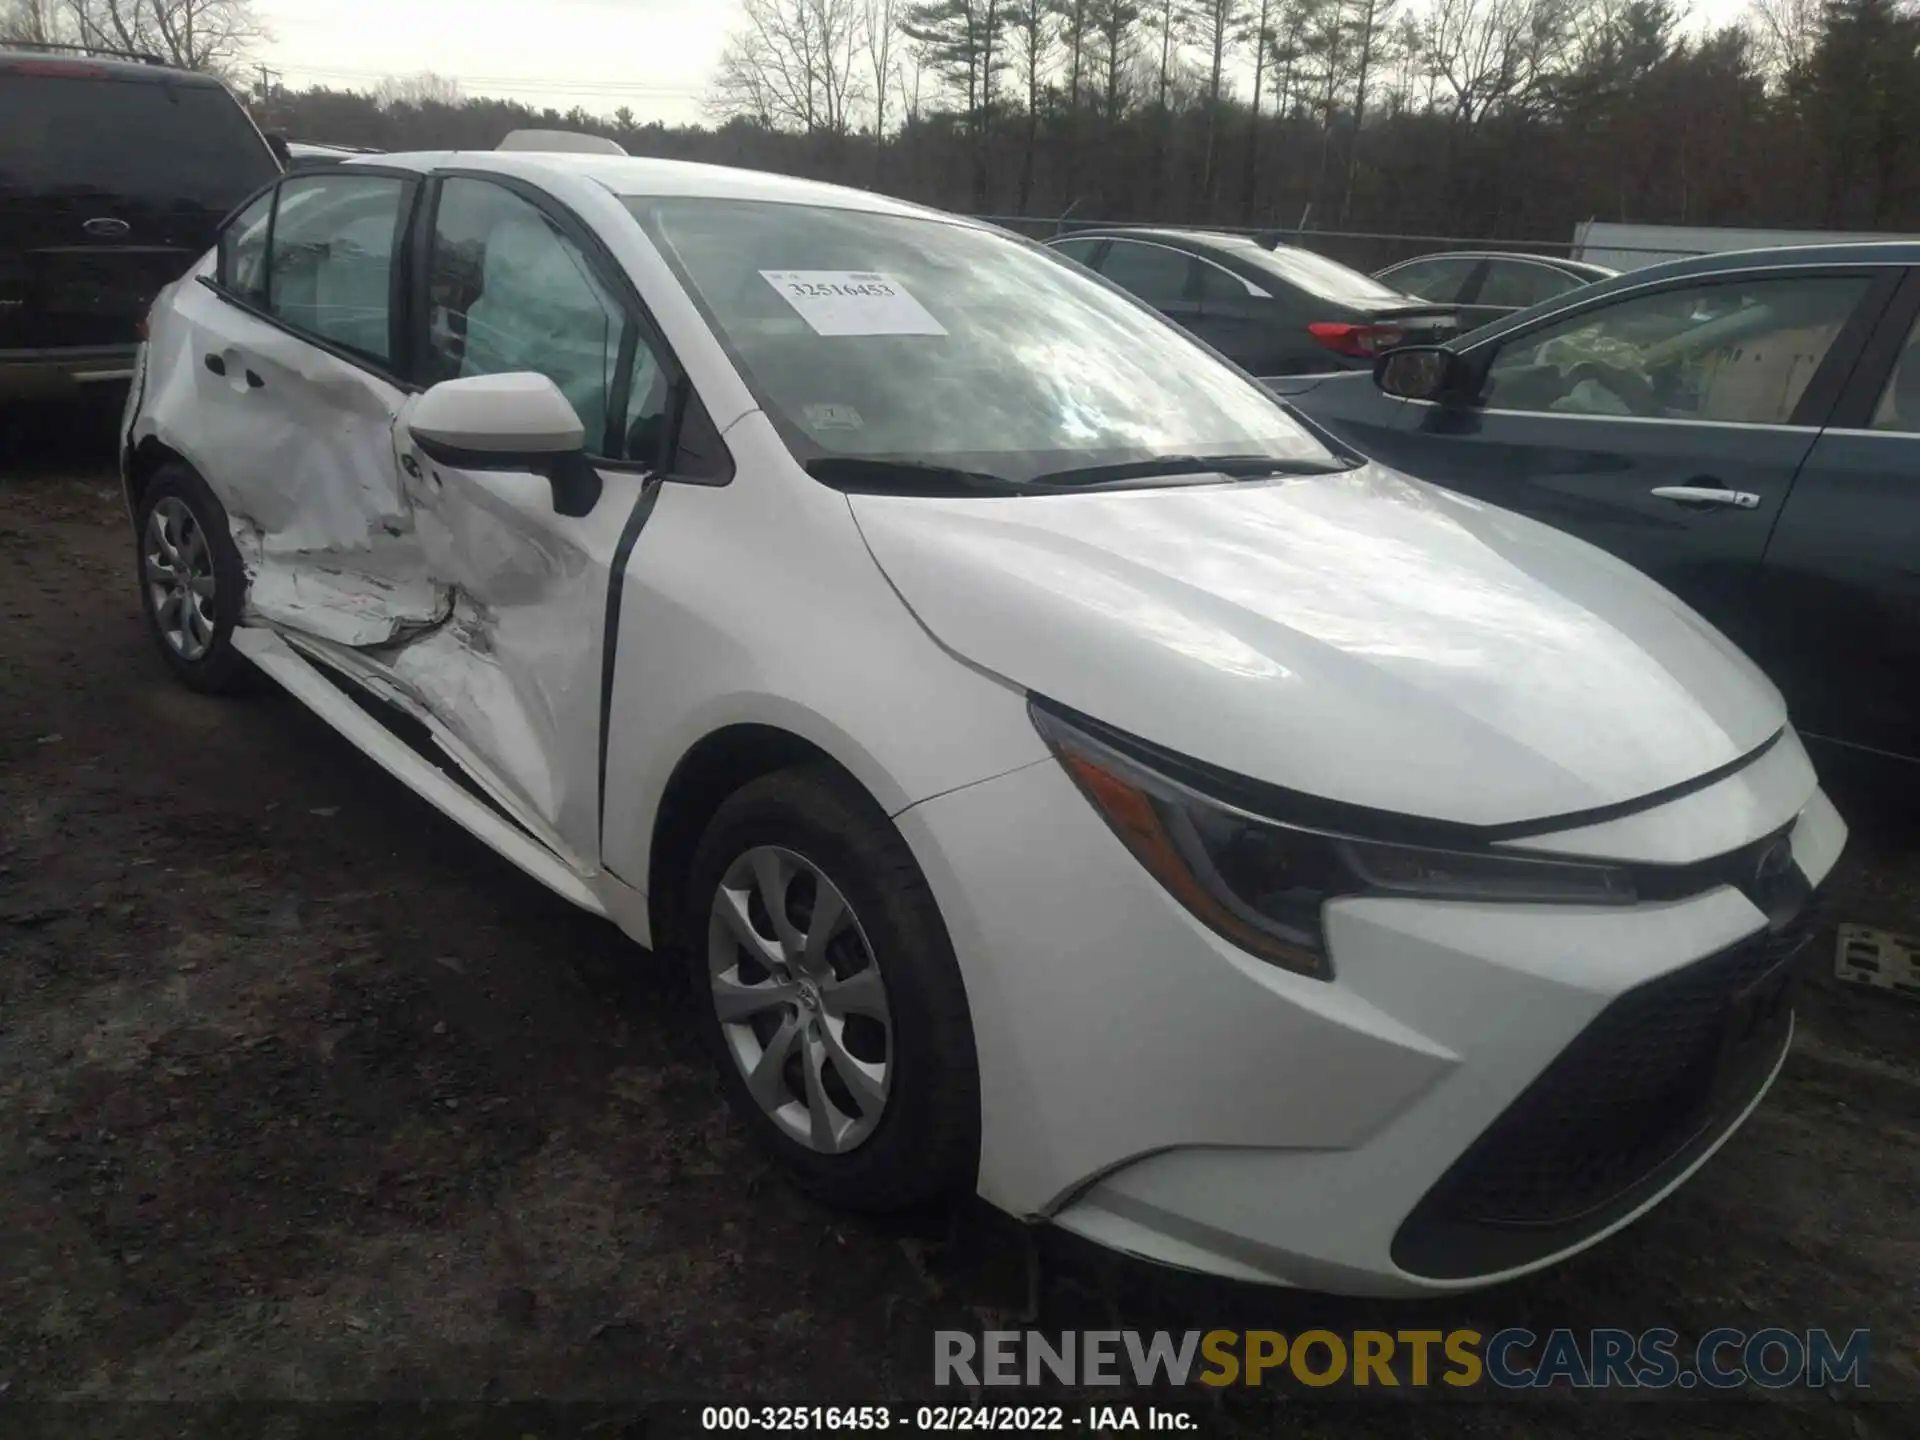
x=414, y=735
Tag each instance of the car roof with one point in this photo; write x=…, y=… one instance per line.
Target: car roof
x=1558, y=262
x=1850, y=252
x=101, y=67
x=637, y=175
x=1200, y=239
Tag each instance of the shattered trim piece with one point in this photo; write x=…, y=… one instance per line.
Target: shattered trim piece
x=1863, y=955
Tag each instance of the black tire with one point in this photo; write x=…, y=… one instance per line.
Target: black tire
x=221, y=670
x=926, y=1144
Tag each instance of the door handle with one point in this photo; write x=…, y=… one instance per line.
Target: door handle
x=1707, y=497
x=216, y=365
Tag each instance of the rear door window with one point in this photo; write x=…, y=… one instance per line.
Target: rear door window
x=1080, y=251
x=1222, y=289
x=1520, y=284
x=330, y=264
x=1443, y=279
x=243, y=252
x=68, y=130
x=1899, y=406
x=1154, y=273
x=1320, y=277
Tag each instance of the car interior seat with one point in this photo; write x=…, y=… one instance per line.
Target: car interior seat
x=1760, y=378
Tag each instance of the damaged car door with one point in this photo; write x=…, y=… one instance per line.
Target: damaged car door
x=524, y=540
x=287, y=363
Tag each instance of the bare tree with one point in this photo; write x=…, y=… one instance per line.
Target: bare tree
x=908, y=74
x=960, y=41
x=880, y=24
x=1075, y=30
x=1786, y=34
x=1325, y=40
x=31, y=22
x=790, y=64
x=1370, y=21
x=424, y=88
x=1213, y=25
x=1256, y=35
x=208, y=35
x=1287, y=47
x=1030, y=27
x=1494, y=54
x=1168, y=21
x=1115, y=26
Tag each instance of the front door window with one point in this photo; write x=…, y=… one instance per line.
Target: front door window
x=1735, y=351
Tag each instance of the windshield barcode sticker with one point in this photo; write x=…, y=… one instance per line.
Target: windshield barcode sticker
x=852, y=302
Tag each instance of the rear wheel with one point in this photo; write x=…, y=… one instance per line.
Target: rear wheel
x=191, y=580
x=830, y=993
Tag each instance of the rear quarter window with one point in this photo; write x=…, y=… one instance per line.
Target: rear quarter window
x=166, y=144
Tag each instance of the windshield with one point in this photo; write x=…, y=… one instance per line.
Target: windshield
x=1318, y=275
x=890, y=337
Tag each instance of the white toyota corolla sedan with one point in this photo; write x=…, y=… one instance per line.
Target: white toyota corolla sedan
x=1065, y=774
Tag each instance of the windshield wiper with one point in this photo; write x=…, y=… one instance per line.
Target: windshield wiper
x=872, y=475
x=1239, y=467
x=866, y=475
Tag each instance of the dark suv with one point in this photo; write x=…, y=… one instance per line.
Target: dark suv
x=114, y=176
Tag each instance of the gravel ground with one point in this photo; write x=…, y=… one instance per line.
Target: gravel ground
x=306, y=1096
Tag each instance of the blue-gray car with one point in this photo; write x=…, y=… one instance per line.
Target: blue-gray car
x=1743, y=427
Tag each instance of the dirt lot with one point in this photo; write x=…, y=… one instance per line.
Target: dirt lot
x=305, y=1095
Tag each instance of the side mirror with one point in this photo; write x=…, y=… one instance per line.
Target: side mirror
x=277, y=143
x=510, y=422
x=1421, y=372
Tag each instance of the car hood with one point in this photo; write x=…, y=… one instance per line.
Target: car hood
x=1362, y=637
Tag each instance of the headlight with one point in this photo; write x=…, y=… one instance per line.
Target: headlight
x=1263, y=883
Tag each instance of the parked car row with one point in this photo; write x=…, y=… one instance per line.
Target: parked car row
x=1282, y=310
x=1065, y=774
x=1272, y=309
x=1486, y=286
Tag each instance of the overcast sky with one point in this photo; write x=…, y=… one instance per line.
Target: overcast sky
x=653, y=56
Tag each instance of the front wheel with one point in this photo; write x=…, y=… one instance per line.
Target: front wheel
x=830, y=994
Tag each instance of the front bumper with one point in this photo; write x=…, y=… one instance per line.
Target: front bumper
x=56, y=374
x=1150, y=1087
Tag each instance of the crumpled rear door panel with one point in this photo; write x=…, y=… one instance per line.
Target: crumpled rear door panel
x=298, y=445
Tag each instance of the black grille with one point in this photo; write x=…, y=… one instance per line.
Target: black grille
x=1656, y=1077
